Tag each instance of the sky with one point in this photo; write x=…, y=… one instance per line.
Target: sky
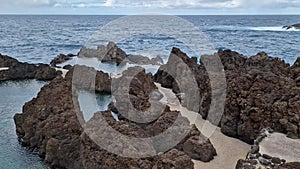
x=130, y=7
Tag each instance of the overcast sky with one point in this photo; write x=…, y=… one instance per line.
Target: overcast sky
x=178, y=7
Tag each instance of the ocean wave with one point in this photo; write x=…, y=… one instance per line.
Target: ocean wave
x=244, y=28
x=272, y=28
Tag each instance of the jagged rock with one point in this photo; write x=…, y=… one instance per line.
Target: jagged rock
x=112, y=53
x=261, y=91
x=178, y=74
x=19, y=71
x=109, y=53
x=143, y=60
x=199, y=148
x=87, y=78
x=52, y=124
x=293, y=165
x=174, y=159
x=61, y=58
x=132, y=92
x=52, y=116
x=67, y=67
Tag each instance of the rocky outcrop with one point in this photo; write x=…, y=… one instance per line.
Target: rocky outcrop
x=143, y=60
x=112, y=53
x=296, y=71
x=109, y=53
x=296, y=26
x=261, y=92
x=15, y=70
x=87, y=78
x=61, y=58
x=52, y=124
x=49, y=123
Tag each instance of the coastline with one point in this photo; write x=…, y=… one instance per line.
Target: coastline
x=234, y=148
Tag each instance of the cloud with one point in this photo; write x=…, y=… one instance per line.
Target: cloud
x=183, y=4
x=127, y=6
x=25, y=3
x=202, y=3
x=109, y=3
x=171, y=3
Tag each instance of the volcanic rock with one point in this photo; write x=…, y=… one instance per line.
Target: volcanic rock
x=112, y=53
x=61, y=58
x=54, y=124
x=261, y=91
x=20, y=71
x=109, y=53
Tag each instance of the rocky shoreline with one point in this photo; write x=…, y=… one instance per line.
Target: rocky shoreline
x=54, y=128
x=262, y=92
x=15, y=70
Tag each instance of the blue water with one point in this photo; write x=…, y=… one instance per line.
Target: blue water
x=13, y=96
x=40, y=38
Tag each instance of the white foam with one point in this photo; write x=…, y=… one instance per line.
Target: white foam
x=258, y=28
x=64, y=71
x=272, y=28
x=4, y=68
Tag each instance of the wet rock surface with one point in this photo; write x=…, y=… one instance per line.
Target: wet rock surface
x=52, y=124
x=61, y=58
x=261, y=92
x=16, y=70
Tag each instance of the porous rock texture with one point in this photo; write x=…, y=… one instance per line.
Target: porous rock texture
x=261, y=91
x=20, y=71
x=53, y=124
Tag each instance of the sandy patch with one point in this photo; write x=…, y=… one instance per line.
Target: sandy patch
x=278, y=145
x=229, y=150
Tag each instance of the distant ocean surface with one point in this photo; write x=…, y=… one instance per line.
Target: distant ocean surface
x=40, y=38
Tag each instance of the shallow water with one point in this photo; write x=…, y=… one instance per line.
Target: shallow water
x=13, y=96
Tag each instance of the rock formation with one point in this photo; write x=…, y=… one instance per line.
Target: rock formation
x=52, y=124
x=112, y=53
x=296, y=26
x=61, y=58
x=16, y=70
x=261, y=92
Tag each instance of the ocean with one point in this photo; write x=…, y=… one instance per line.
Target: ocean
x=38, y=39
